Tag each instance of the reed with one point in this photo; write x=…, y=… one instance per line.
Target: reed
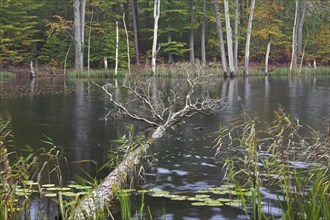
x=286, y=158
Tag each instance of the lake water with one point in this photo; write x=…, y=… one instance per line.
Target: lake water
x=71, y=113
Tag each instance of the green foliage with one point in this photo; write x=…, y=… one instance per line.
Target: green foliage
x=18, y=31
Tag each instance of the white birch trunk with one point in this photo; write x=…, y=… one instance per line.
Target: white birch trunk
x=154, y=43
x=229, y=40
x=294, y=51
x=220, y=36
x=248, y=39
x=89, y=43
x=203, y=50
x=106, y=67
x=191, y=37
x=169, y=40
x=117, y=47
x=79, y=32
x=236, y=36
x=267, y=57
x=127, y=44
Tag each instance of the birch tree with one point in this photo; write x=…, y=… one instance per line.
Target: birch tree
x=191, y=36
x=154, y=44
x=220, y=36
x=248, y=39
x=79, y=32
x=229, y=40
x=203, y=27
x=237, y=20
x=297, y=32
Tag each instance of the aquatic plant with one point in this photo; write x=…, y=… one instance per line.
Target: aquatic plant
x=284, y=158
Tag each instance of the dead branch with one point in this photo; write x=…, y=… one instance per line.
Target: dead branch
x=161, y=109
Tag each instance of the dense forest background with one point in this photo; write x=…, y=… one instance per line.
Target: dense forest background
x=42, y=31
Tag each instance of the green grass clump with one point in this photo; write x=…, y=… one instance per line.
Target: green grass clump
x=288, y=160
x=6, y=75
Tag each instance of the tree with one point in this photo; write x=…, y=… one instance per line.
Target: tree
x=154, y=43
x=229, y=40
x=236, y=36
x=300, y=12
x=220, y=36
x=135, y=31
x=203, y=30
x=248, y=39
x=191, y=35
x=79, y=7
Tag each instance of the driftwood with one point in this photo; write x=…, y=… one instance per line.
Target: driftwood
x=160, y=111
x=104, y=193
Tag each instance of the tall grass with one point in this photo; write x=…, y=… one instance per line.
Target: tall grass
x=288, y=159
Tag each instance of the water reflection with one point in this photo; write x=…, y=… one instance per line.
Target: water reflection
x=184, y=156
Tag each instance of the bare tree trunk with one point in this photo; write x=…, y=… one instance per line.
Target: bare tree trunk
x=220, y=36
x=294, y=51
x=79, y=31
x=267, y=57
x=169, y=40
x=297, y=33
x=237, y=20
x=107, y=190
x=106, y=69
x=32, y=72
x=127, y=44
x=154, y=44
x=65, y=60
x=117, y=48
x=191, y=36
x=229, y=40
x=203, y=50
x=248, y=39
x=89, y=42
x=136, y=36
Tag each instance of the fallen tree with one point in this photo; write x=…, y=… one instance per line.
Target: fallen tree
x=157, y=108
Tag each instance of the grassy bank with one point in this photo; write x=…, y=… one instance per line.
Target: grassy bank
x=163, y=70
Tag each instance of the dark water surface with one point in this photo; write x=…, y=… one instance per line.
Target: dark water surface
x=185, y=162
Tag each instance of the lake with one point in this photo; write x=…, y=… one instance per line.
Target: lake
x=71, y=113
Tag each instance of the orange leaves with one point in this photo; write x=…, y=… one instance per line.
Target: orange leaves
x=59, y=27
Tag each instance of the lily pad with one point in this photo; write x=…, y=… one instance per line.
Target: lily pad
x=198, y=203
x=51, y=194
x=48, y=185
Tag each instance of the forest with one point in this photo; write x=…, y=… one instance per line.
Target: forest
x=45, y=32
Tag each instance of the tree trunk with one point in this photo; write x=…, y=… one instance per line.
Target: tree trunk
x=220, y=36
x=107, y=190
x=154, y=44
x=297, y=32
x=169, y=40
x=117, y=48
x=236, y=36
x=89, y=42
x=248, y=39
x=191, y=36
x=229, y=40
x=79, y=32
x=203, y=50
x=135, y=31
x=106, y=69
x=294, y=51
x=267, y=58
x=127, y=44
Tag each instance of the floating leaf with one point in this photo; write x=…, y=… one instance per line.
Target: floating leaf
x=198, y=203
x=50, y=194
x=69, y=194
x=48, y=185
x=58, y=189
